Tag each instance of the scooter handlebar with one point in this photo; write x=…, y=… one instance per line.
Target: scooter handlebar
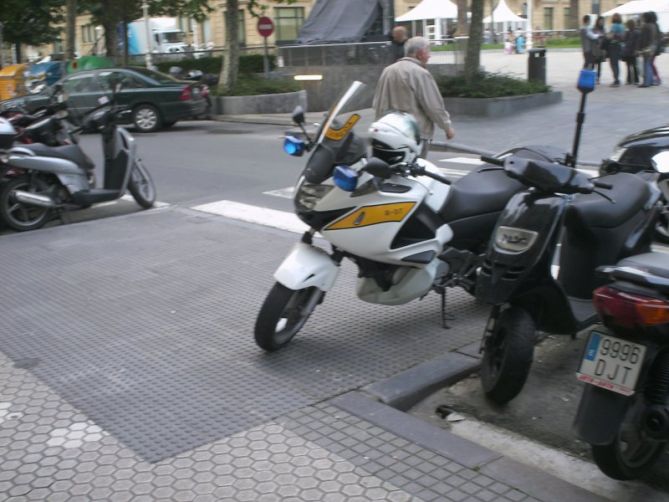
x=492, y=160
x=599, y=184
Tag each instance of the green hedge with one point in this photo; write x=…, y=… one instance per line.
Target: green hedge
x=251, y=63
x=488, y=85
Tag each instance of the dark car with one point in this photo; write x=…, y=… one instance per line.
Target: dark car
x=155, y=99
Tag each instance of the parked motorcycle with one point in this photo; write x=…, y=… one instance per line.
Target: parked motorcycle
x=641, y=153
x=587, y=223
x=49, y=180
x=408, y=229
x=624, y=409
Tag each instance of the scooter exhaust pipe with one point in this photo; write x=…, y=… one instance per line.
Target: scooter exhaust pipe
x=656, y=422
x=34, y=199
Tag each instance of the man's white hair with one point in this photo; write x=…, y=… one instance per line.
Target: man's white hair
x=415, y=44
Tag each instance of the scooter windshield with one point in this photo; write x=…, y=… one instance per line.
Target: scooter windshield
x=335, y=140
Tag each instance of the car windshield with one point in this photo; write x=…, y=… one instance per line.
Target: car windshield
x=173, y=37
x=161, y=78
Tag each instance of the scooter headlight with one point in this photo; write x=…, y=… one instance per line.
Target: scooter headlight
x=514, y=240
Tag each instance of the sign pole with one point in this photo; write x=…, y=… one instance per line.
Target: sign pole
x=266, y=59
x=265, y=29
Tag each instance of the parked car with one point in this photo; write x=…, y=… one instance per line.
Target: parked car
x=156, y=100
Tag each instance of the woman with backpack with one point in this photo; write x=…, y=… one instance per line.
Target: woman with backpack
x=629, y=53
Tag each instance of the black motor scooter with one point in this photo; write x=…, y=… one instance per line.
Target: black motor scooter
x=47, y=180
x=624, y=409
x=561, y=213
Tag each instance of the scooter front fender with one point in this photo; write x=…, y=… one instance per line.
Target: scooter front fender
x=600, y=414
x=307, y=266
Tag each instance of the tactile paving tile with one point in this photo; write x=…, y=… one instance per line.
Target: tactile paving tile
x=420, y=472
x=145, y=323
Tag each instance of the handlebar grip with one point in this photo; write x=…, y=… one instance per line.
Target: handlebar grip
x=599, y=184
x=492, y=160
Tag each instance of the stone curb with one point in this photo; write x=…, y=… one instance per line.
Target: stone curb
x=529, y=480
x=405, y=389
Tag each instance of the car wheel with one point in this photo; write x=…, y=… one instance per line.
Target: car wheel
x=146, y=118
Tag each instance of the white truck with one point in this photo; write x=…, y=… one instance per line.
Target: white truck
x=165, y=36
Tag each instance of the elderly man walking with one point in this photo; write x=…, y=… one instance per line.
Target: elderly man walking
x=407, y=86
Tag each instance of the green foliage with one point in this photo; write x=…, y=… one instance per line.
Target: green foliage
x=564, y=42
x=250, y=85
x=251, y=63
x=488, y=85
x=32, y=22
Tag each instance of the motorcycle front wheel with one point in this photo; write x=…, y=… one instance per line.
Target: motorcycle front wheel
x=141, y=187
x=632, y=452
x=20, y=216
x=507, y=355
x=283, y=314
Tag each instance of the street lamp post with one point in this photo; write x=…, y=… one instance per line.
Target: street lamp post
x=147, y=32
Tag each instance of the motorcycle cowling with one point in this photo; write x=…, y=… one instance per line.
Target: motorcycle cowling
x=307, y=266
x=599, y=415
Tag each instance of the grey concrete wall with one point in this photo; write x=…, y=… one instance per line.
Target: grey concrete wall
x=264, y=103
x=336, y=79
x=500, y=107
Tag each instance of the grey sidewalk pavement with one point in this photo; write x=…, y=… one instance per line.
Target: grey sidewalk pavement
x=128, y=372
x=128, y=369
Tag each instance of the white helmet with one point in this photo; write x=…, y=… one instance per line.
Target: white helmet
x=395, y=138
x=7, y=134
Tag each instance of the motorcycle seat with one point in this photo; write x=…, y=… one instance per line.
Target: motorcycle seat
x=629, y=192
x=73, y=153
x=479, y=193
x=656, y=264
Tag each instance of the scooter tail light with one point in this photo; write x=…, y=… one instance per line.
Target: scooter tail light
x=186, y=94
x=629, y=310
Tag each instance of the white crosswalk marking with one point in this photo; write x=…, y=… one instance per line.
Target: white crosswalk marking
x=283, y=220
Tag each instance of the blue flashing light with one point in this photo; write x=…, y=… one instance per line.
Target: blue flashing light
x=586, y=80
x=293, y=146
x=346, y=178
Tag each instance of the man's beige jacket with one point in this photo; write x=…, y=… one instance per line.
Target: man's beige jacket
x=406, y=86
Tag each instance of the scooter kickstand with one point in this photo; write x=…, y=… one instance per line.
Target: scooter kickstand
x=445, y=317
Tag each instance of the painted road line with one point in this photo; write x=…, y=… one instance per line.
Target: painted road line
x=286, y=193
x=463, y=160
x=129, y=198
x=282, y=220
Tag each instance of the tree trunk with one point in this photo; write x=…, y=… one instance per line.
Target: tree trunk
x=111, y=39
x=126, y=57
x=463, y=28
x=71, y=29
x=573, y=15
x=473, y=56
x=230, y=67
x=493, y=33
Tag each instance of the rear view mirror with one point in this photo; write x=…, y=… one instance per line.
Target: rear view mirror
x=660, y=162
x=298, y=115
x=379, y=168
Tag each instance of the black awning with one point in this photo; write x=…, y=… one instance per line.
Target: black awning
x=333, y=21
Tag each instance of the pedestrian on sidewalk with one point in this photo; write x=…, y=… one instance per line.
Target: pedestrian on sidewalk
x=659, y=48
x=600, y=46
x=630, y=49
x=648, y=46
x=407, y=86
x=399, y=38
x=615, y=38
x=588, y=39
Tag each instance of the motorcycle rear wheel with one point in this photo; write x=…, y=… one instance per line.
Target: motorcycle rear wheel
x=632, y=452
x=507, y=355
x=19, y=216
x=141, y=187
x=283, y=314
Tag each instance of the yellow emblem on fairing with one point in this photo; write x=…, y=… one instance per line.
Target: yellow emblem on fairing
x=339, y=134
x=373, y=215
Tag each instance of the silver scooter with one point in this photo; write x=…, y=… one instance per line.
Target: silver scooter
x=44, y=180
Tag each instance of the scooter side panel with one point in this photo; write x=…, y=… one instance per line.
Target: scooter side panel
x=70, y=175
x=509, y=260
x=307, y=266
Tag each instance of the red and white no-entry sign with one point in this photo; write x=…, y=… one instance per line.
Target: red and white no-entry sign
x=265, y=26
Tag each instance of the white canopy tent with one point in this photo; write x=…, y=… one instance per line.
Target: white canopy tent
x=505, y=19
x=638, y=7
x=437, y=10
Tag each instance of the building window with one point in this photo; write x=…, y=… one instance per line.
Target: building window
x=548, y=18
x=242, y=28
x=595, y=7
x=566, y=21
x=88, y=34
x=289, y=20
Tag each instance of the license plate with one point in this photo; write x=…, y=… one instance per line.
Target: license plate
x=611, y=363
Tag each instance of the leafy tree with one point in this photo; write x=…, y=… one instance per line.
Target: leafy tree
x=230, y=67
x=463, y=28
x=32, y=22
